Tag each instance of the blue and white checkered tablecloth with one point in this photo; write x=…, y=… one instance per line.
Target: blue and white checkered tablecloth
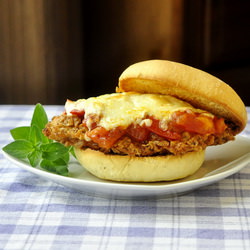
x=39, y=214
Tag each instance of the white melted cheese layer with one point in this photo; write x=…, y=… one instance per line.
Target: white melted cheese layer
x=123, y=109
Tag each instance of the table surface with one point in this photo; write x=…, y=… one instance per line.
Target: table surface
x=39, y=214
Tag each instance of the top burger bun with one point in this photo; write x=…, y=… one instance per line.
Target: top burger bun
x=192, y=85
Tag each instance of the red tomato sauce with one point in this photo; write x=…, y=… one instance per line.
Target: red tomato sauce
x=182, y=121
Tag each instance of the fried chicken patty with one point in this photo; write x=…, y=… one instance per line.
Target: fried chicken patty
x=70, y=131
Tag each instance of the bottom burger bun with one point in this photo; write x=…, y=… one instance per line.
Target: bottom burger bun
x=139, y=169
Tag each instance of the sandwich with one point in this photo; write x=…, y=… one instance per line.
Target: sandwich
x=155, y=127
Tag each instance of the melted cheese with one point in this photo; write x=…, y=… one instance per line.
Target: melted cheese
x=122, y=109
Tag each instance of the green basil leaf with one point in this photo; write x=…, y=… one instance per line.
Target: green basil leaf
x=62, y=170
x=66, y=157
x=52, y=156
x=34, y=158
x=30, y=143
x=54, y=151
x=54, y=147
x=39, y=117
x=35, y=136
x=19, y=148
x=20, y=133
x=71, y=150
x=58, y=166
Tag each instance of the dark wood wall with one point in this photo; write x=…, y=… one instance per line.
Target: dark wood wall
x=217, y=40
x=51, y=50
x=119, y=33
x=41, y=53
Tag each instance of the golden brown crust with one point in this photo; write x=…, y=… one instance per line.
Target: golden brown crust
x=139, y=169
x=197, y=87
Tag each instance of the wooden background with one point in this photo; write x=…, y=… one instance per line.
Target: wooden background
x=41, y=53
x=51, y=50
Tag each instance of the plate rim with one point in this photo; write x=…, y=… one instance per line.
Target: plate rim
x=138, y=186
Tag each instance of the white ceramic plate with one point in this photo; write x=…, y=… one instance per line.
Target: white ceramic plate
x=220, y=162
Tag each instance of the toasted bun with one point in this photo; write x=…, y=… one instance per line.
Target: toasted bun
x=194, y=86
x=139, y=169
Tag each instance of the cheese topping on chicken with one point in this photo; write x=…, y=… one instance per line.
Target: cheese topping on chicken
x=123, y=109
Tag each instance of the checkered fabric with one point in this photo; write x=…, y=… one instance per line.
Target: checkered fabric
x=39, y=214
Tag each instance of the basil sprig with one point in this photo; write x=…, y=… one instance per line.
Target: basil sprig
x=32, y=145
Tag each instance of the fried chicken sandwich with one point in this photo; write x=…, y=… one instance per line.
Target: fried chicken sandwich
x=156, y=126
